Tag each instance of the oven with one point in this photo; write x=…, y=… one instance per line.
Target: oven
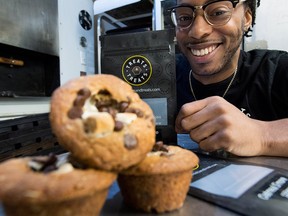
x=43, y=44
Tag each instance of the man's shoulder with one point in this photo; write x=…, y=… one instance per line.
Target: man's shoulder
x=261, y=54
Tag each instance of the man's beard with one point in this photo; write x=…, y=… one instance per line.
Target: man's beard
x=226, y=62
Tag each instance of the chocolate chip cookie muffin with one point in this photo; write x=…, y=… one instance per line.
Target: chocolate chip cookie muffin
x=161, y=181
x=47, y=186
x=102, y=122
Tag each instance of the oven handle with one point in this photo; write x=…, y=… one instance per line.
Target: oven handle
x=12, y=62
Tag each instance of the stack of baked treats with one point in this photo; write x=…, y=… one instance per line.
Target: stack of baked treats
x=109, y=133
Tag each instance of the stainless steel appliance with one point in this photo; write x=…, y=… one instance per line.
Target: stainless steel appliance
x=29, y=53
x=43, y=44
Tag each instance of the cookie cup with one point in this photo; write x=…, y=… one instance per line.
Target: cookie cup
x=160, y=182
x=102, y=122
x=58, y=193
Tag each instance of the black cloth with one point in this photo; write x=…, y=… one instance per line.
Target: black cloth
x=260, y=88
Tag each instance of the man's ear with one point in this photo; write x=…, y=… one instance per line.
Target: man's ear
x=247, y=19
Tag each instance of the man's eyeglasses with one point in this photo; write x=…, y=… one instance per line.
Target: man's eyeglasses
x=216, y=13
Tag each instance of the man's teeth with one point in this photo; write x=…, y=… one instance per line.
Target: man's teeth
x=202, y=52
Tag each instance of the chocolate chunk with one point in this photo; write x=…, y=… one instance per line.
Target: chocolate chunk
x=51, y=159
x=85, y=92
x=104, y=92
x=159, y=146
x=165, y=154
x=103, y=109
x=79, y=101
x=123, y=106
x=48, y=163
x=101, y=103
x=130, y=141
x=118, y=126
x=104, y=99
x=75, y=112
x=49, y=168
x=112, y=111
x=138, y=112
x=90, y=125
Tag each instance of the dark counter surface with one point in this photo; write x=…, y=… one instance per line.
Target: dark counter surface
x=193, y=206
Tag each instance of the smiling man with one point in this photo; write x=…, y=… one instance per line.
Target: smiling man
x=227, y=98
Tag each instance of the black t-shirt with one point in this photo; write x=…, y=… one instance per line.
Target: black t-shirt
x=260, y=88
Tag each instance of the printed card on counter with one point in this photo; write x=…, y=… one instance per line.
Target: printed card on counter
x=246, y=188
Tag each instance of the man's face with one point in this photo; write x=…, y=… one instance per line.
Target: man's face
x=209, y=49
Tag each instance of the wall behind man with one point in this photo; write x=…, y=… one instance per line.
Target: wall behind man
x=271, y=29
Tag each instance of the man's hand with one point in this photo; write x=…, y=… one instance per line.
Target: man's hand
x=216, y=124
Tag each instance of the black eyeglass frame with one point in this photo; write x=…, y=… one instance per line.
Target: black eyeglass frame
x=172, y=9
